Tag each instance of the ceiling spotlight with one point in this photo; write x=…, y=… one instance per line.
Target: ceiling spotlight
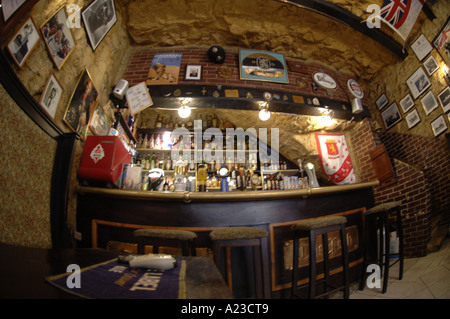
x=264, y=114
x=184, y=111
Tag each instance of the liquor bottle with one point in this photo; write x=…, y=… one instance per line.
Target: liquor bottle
x=151, y=142
x=166, y=185
x=158, y=123
x=145, y=142
x=202, y=175
x=153, y=161
x=240, y=181
x=214, y=120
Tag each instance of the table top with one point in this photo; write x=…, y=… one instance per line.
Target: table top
x=23, y=271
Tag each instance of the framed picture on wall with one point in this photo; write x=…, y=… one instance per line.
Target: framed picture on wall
x=262, y=66
x=51, y=96
x=412, y=119
x=421, y=47
x=193, y=72
x=391, y=116
x=431, y=65
x=99, y=17
x=438, y=125
x=165, y=69
x=429, y=102
x=442, y=42
x=418, y=82
x=23, y=42
x=100, y=122
x=407, y=103
x=382, y=101
x=444, y=99
x=58, y=37
x=81, y=104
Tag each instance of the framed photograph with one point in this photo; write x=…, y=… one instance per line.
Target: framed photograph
x=431, y=65
x=165, y=69
x=412, y=119
x=444, y=99
x=100, y=122
x=9, y=7
x=442, y=42
x=81, y=104
x=438, y=125
x=51, y=96
x=382, y=101
x=418, y=82
x=99, y=17
x=58, y=37
x=407, y=103
x=193, y=72
x=429, y=102
x=131, y=177
x=391, y=116
x=138, y=98
x=262, y=66
x=421, y=47
x=23, y=42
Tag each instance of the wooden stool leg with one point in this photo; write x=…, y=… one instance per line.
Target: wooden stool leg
x=400, y=239
x=386, y=252
x=325, y=261
x=312, y=264
x=265, y=267
x=345, y=262
x=258, y=271
x=294, y=266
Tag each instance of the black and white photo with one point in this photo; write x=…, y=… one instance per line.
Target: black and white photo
x=431, y=65
x=51, y=96
x=418, y=83
x=23, y=42
x=391, y=115
x=438, y=125
x=382, y=101
x=412, y=119
x=99, y=17
x=429, y=102
x=193, y=72
x=406, y=103
x=444, y=99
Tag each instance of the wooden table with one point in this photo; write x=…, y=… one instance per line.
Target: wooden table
x=22, y=272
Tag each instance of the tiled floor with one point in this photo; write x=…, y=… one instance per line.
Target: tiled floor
x=423, y=278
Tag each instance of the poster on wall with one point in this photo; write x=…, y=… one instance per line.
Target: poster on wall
x=99, y=17
x=442, y=42
x=334, y=157
x=262, y=66
x=165, y=69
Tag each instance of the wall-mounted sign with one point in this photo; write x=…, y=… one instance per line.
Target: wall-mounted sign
x=324, y=80
x=355, y=88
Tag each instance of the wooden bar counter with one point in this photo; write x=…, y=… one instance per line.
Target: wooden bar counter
x=113, y=214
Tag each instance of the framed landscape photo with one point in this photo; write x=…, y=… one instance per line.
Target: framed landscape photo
x=429, y=102
x=444, y=99
x=23, y=42
x=431, y=65
x=382, y=101
x=418, y=82
x=407, y=103
x=193, y=72
x=438, y=125
x=412, y=119
x=391, y=116
x=58, y=37
x=262, y=66
x=442, y=42
x=51, y=96
x=99, y=17
x=100, y=122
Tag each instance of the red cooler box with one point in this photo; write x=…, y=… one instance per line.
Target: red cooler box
x=103, y=159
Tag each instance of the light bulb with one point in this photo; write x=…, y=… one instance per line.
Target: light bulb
x=264, y=115
x=184, y=111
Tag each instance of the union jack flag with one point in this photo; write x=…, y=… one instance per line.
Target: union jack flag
x=401, y=14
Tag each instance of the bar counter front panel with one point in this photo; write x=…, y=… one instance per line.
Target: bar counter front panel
x=113, y=214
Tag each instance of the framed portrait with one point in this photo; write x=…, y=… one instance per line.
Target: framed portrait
x=58, y=37
x=100, y=122
x=99, y=17
x=429, y=102
x=444, y=99
x=382, y=101
x=193, y=72
x=165, y=69
x=23, y=42
x=51, y=96
x=418, y=82
x=262, y=66
x=421, y=47
x=81, y=104
x=407, y=103
x=442, y=42
x=391, y=116
x=412, y=119
x=431, y=65
x=438, y=125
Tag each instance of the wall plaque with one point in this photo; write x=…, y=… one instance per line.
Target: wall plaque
x=324, y=80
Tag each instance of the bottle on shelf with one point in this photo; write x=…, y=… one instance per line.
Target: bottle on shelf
x=153, y=161
x=158, y=123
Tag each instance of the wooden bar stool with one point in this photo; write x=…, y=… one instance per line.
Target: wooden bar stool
x=244, y=237
x=312, y=228
x=166, y=237
x=381, y=215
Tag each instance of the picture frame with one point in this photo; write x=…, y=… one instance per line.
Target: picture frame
x=421, y=47
x=418, y=82
x=81, y=104
x=98, y=18
x=51, y=96
x=382, y=101
x=262, y=66
x=444, y=99
x=23, y=42
x=407, y=103
x=164, y=69
x=442, y=42
x=100, y=122
x=58, y=37
x=429, y=102
x=138, y=98
x=438, y=125
x=431, y=65
x=131, y=177
x=193, y=72
x=9, y=8
x=412, y=119
x=391, y=116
